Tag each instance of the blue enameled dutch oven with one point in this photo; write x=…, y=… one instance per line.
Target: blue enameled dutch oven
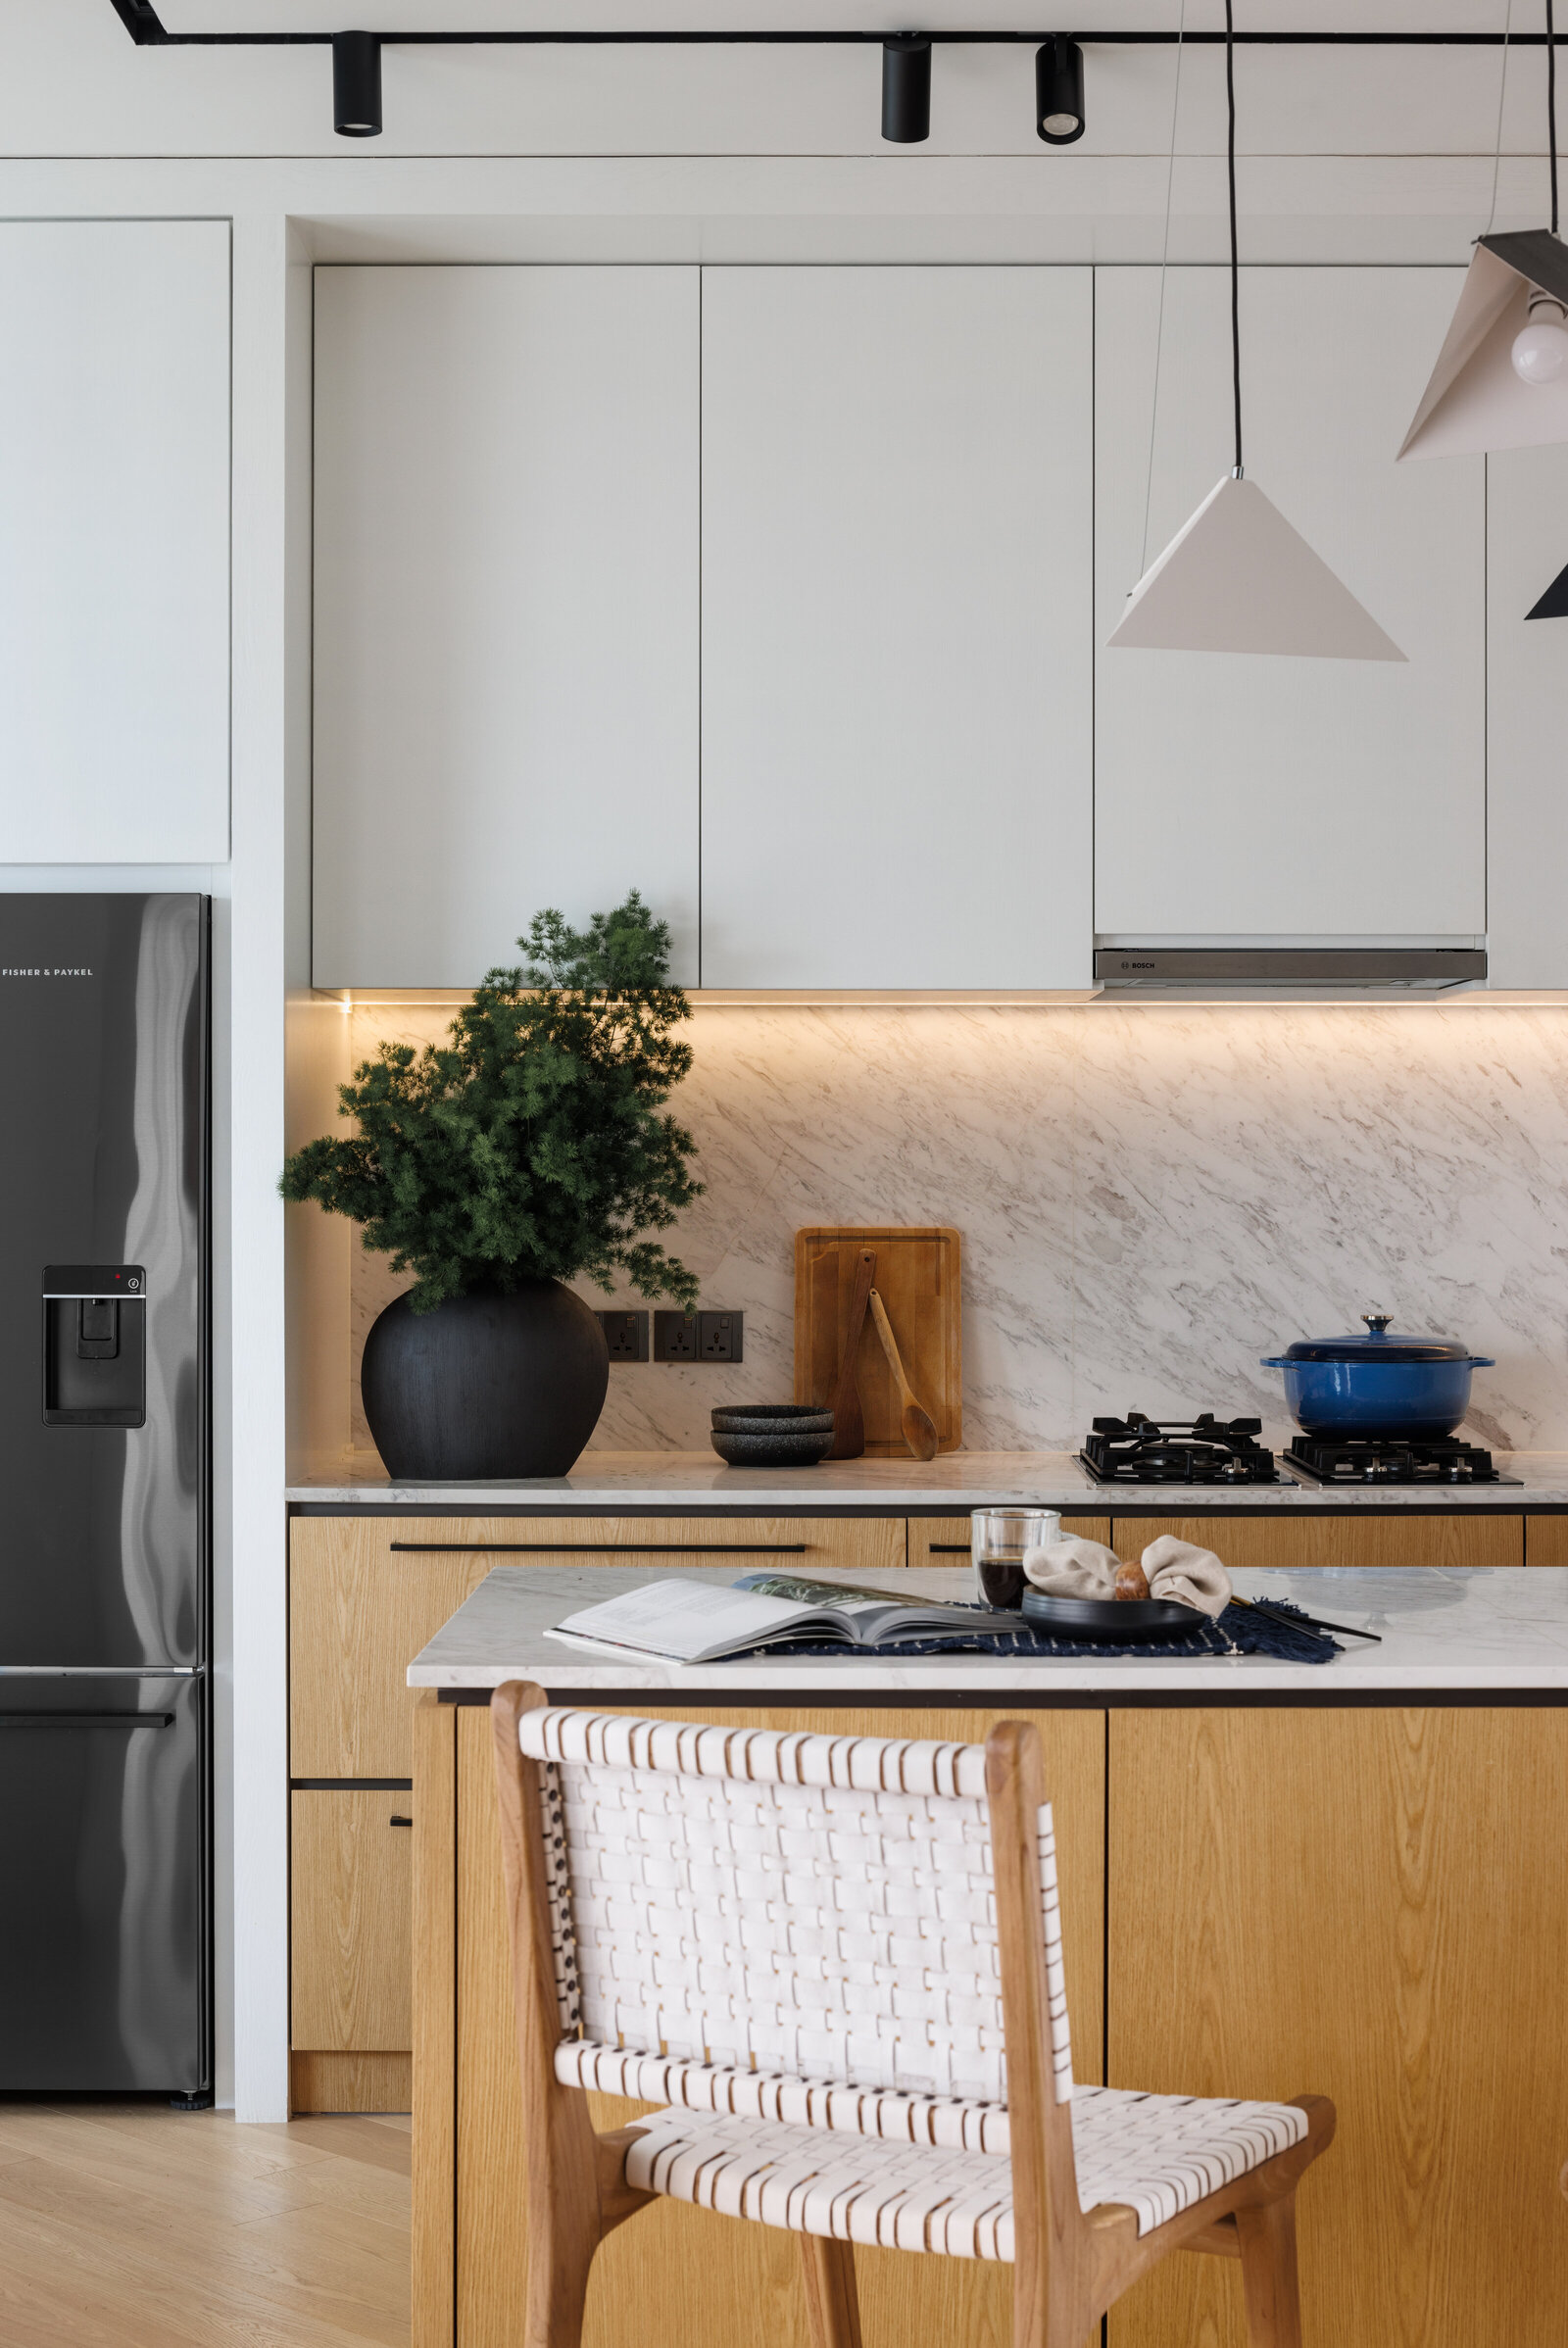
x=1377, y=1384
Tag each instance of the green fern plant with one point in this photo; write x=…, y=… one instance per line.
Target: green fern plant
x=536, y=1145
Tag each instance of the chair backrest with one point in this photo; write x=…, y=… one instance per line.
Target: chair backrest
x=819, y=1909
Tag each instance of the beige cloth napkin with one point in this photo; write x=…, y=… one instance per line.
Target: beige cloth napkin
x=1191, y=1576
x=1073, y=1569
x=1176, y=1570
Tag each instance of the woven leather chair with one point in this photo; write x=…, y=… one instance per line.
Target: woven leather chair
x=814, y=1951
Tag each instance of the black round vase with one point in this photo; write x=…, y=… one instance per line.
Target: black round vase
x=488, y=1385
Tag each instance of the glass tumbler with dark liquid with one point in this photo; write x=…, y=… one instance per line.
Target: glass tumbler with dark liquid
x=998, y=1539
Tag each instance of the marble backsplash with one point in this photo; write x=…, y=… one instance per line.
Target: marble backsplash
x=1150, y=1198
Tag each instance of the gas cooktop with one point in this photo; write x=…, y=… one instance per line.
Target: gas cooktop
x=1138, y=1450
x=1389, y=1459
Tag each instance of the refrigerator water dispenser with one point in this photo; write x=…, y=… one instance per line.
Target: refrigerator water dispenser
x=94, y=1346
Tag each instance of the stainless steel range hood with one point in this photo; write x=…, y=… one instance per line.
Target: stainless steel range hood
x=1122, y=969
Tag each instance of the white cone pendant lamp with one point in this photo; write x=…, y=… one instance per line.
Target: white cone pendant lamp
x=1501, y=378
x=1236, y=577
x=1480, y=395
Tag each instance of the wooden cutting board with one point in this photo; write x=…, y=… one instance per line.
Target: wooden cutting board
x=918, y=1280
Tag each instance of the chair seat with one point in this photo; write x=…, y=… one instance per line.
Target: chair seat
x=1156, y=2154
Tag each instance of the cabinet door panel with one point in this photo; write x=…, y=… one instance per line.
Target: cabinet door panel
x=1299, y=1544
x=113, y=594
x=1365, y=1905
x=351, y=1873
x=1527, y=841
x=897, y=637
x=506, y=611
x=1263, y=796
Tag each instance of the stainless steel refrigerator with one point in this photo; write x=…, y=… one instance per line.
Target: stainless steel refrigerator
x=105, y=1726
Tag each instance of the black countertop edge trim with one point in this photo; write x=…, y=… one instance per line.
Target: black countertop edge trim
x=1095, y=1503
x=1509, y=1505
x=955, y=1699
x=350, y=1785
x=611, y=1507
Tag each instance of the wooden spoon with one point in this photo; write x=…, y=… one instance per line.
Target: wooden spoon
x=919, y=1426
x=849, y=1423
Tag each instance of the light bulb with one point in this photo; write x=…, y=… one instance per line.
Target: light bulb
x=1540, y=348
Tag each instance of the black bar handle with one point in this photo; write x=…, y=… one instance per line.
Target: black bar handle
x=395, y=1820
x=602, y=1548
x=86, y=1720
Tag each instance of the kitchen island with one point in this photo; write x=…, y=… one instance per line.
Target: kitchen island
x=1342, y=1878
x=377, y=1568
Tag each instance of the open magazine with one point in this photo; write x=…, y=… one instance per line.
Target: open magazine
x=693, y=1622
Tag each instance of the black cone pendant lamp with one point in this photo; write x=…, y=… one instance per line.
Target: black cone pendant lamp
x=1553, y=605
x=1236, y=577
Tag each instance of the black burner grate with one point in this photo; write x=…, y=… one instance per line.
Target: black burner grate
x=1139, y=1450
x=1389, y=1459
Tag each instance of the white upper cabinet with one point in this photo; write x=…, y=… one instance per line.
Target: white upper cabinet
x=506, y=630
x=1257, y=797
x=1527, y=711
x=896, y=627
x=114, y=515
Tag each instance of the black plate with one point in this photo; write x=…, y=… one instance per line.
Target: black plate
x=1110, y=1618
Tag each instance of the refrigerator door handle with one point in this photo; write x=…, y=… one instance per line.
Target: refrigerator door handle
x=86, y=1720
x=103, y=1671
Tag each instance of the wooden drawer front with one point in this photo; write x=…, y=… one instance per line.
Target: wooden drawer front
x=1547, y=1541
x=368, y=1593
x=944, y=1539
x=358, y=1613
x=351, y=1903
x=1367, y=1542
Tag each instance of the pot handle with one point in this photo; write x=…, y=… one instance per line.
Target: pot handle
x=1277, y=1361
x=1482, y=1361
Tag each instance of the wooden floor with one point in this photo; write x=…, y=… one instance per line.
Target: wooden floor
x=127, y=2226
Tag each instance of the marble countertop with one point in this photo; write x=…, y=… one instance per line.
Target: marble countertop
x=605, y=1482
x=1501, y=1627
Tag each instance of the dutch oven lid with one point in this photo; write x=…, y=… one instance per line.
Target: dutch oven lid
x=1377, y=1346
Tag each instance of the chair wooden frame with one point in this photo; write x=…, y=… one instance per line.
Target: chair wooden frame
x=1070, y=2264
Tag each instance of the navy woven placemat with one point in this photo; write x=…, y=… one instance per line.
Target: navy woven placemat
x=1240, y=1631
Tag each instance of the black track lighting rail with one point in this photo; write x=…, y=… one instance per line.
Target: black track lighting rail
x=146, y=29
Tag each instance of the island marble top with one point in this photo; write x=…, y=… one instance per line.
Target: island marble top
x=1443, y=1628
x=604, y=1483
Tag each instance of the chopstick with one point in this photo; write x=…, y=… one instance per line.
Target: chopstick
x=1304, y=1622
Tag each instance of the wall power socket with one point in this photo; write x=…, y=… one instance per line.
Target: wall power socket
x=625, y=1335
x=704, y=1337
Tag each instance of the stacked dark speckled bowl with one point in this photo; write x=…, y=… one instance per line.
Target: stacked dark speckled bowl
x=771, y=1435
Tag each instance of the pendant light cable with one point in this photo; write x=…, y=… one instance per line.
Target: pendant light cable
x=1551, y=108
x=1164, y=258
x=1236, y=273
x=1497, y=145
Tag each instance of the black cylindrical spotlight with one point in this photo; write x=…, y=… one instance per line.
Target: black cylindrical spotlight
x=1060, y=92
x=356, y=84
x=906, y=89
